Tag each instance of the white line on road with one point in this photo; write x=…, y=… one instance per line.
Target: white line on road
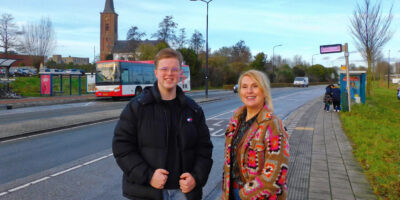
x=215, y=133
x=221, y=114
x=54, y=175
x=86, y=163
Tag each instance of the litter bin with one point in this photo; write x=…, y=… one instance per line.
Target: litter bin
x=344, y=102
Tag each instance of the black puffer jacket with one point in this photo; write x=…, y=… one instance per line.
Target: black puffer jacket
x=140, y=143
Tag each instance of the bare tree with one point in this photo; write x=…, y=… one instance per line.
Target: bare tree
x=180, y=40
x=371, y=32
x=8, y=35
x=38, y=39
x=166, y=31
x=197, y=41
x=134, y=34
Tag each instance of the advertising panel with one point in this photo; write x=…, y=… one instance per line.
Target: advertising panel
x=90, y=83
x=45, y=84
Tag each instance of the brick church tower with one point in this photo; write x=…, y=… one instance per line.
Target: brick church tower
x=108, y=29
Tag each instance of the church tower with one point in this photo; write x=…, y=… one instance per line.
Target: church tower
x=108, y=29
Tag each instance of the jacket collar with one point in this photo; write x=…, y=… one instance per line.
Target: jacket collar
x=262, y=116
x=152, y=94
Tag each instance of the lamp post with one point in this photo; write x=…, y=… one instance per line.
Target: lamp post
x=273, y=59
x=207, y=2
x=312, y=58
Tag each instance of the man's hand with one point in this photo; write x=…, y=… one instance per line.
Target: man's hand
x=159, y=178
x=187, y=182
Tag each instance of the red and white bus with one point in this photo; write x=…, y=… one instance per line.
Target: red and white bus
x=120, y=78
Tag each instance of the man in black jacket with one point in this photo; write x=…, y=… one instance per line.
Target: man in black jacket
x=161, y=141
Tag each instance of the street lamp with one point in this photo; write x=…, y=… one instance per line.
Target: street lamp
x=312, y=58
x=206, y=45
x=273, y=59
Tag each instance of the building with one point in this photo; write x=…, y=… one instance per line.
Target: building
x=65, y=60
x=109, y=43
x=24, y=60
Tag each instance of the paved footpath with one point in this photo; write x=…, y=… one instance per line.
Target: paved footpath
x=322, y=165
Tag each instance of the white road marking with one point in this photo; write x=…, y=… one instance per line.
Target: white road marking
x=40, y=180
x=215, y=133
x=217, y=124
x=86, y=163
x=19, y=187
x=221, y=114
x=54, y=175
x=65, y=171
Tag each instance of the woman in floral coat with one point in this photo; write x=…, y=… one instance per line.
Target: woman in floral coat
x=256, y=147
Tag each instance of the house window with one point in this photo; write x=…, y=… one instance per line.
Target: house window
x=107, y=27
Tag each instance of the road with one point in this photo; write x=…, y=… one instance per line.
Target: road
x=77, y=163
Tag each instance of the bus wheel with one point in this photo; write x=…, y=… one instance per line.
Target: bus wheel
x=138, y=91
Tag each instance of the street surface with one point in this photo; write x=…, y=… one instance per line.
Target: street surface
x=77, y=163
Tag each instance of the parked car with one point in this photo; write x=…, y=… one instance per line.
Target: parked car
x=300, y=82
x=235, y=88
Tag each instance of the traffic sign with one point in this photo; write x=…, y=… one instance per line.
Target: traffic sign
x=333, y=48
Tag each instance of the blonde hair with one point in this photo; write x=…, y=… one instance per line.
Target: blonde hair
x=263, y=82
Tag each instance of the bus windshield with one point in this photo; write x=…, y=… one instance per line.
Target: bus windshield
x=108, y=73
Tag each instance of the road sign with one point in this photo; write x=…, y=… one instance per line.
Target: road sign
x=343, y=67
x=333, y=48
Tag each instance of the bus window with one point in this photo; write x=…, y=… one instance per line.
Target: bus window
x=148, y=74
x=107, y=73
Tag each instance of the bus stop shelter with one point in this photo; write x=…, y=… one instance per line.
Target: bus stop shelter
x=47, y=82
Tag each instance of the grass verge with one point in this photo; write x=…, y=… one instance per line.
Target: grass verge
x=374, y=129
x=30, y=86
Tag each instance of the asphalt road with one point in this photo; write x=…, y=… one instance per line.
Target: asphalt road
x=77, y=163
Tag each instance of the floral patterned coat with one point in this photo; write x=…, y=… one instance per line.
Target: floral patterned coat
x=263, y=156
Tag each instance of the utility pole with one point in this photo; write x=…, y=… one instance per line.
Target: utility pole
x=346, y=54
x=389, y=69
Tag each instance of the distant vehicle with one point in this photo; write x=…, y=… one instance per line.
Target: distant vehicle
x=118, y=78
x=235, y=88
x=300, y=82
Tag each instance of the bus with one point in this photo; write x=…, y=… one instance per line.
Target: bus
x=120, y=78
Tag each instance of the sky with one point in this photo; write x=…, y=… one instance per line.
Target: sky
x=299, y=26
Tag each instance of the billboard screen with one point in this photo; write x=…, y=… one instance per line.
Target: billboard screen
x=334, y=48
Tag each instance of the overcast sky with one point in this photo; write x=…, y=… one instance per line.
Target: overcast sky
x=300, y=26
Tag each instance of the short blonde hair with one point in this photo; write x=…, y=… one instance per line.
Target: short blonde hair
x=263, y=82
x=168, y=53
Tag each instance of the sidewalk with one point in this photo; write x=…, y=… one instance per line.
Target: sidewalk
x=41, y=101
x=322, y=165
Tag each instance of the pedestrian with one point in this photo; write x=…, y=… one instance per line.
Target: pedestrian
x=327, y=101
x=336, y=99
x=256, y=146
x=161, y=141
x=328, y=89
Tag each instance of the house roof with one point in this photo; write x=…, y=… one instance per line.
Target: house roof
x=129, y=46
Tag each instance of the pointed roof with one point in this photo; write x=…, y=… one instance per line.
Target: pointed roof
x=109, y=7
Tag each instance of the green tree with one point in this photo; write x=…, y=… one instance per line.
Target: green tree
x=285, y=74
x=196, y=72
x=259, y=62
x=316, y=73
x=146, y=52
x=299, y=70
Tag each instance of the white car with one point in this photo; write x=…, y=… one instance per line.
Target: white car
x=300, y=82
